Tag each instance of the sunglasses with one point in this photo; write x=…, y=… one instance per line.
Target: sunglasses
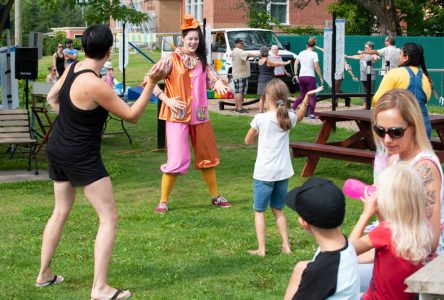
x=394, y=133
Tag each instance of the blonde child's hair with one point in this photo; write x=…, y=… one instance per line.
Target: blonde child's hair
x=401, y=199
x=276, y=91
x=407, y=105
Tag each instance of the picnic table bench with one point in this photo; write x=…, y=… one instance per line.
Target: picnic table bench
x=15, y=132
x=359, y=147
x=428, y=281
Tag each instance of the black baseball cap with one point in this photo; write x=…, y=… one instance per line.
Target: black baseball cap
x=319, y=202
x=236, y=41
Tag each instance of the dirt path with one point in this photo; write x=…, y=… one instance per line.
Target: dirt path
x=254, y=109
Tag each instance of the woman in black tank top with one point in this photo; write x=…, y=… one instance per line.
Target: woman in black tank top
x=266, y=74
x=82, y=101
x=58, y=60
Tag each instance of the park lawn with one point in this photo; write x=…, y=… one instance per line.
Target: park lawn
x=195, y=251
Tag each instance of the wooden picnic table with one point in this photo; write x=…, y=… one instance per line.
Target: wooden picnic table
x=359, y=147
x=428, y=281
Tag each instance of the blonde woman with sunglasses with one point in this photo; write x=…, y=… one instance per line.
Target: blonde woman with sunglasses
x=400, y=136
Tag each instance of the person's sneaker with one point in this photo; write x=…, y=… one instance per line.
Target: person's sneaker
x=220, y=201
x=312, y=117
x=161, y=208
x=241, y=111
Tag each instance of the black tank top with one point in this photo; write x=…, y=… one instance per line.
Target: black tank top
x=265, y=72
x=60, y=63
x=77, y=133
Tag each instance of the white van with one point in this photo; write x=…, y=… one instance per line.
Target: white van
x=222, y=45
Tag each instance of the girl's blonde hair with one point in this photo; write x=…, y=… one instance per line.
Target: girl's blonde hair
x=276, y=91
x=405, y=102
x=401, y=199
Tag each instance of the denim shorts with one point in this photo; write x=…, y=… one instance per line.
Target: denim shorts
x=272, y=192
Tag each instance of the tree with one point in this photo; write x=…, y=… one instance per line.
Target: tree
x=359, y=20
x=99, y=11
x=257, y=13
x=414, y=17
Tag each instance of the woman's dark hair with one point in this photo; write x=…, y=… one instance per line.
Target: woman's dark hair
x=415, y=57
x=201, y=50
x=96, y=41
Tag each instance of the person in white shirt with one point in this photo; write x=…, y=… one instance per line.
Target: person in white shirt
x=307, y=81
x=279, y=71
x=389, y=54
x=273, y=162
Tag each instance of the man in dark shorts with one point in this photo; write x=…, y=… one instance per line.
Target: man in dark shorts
x=241, y=72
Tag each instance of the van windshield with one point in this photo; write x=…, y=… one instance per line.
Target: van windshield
x=254, y=40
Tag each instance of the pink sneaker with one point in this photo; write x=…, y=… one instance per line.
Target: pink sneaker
x=221, y=202
x=161, y=208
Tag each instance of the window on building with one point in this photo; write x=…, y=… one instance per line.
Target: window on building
x=195, y=7
x=278, y=9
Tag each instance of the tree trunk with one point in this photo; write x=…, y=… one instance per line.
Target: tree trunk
x=386, y=13
x=18, y=22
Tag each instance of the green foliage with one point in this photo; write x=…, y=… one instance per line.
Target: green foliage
x=99, y=11
x=364, y=17
x=50, y=42
x=41, y=18
x=302, y=30
x=257, y=14
x=359, y=21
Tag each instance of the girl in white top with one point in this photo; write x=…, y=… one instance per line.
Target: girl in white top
x=273, y=163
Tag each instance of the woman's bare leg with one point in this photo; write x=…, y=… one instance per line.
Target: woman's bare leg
x=100, y=195
x=261, y=104
x=64, y=195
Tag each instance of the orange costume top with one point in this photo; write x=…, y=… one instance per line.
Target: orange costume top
x=187, y=79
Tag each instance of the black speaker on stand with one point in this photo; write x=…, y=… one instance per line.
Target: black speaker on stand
x=26, y=67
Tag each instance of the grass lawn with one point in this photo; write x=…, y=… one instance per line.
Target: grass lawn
x=195, y=251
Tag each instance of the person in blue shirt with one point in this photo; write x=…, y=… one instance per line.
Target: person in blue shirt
x=71, y=54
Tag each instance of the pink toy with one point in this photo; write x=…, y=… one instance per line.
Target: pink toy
x=355, y=188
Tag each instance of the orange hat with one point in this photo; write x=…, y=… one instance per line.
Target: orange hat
x=189, y=23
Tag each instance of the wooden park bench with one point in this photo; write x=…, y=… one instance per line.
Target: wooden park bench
x=304, y=149
x=15, y=132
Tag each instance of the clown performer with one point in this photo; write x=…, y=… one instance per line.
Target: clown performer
x=185, y=110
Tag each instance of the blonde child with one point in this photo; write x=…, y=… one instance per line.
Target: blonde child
x=403, y=238
x=273, y=163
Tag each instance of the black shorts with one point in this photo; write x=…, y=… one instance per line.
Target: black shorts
x=78, y=174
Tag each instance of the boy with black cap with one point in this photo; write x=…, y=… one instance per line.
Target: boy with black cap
x=333, y=272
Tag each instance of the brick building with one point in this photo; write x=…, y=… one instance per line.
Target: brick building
x=166, y=14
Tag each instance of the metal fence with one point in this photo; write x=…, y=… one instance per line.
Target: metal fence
x=433, y=49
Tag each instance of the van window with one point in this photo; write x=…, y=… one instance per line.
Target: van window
x=219, y=44
x=253, y=40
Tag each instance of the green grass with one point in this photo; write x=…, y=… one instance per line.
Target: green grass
x=193, y=252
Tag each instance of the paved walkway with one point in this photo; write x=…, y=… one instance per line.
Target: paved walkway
x=22, y=175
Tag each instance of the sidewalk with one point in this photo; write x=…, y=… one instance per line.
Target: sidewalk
x=22, y=175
